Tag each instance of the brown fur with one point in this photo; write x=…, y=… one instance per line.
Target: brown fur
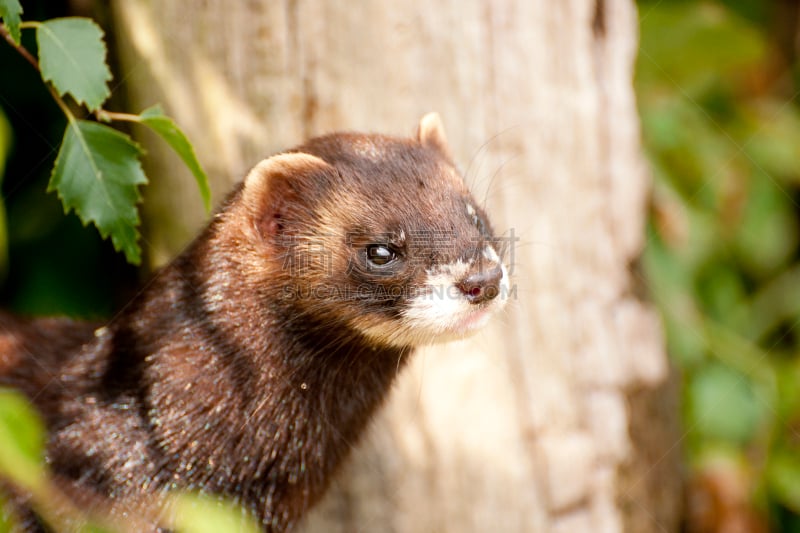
x=227, y=374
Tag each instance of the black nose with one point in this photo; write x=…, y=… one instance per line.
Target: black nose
x=482, y=286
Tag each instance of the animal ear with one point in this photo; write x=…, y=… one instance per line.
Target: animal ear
x=430, y=132
x=278, y=190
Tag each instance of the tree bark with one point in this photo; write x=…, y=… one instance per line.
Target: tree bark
x=553, y=419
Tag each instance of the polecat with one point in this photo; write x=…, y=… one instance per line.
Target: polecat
x=249, y=366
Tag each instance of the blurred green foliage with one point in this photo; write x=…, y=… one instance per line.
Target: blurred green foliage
x=717, y=85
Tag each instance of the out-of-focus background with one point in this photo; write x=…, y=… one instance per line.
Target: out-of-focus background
x=718, y=86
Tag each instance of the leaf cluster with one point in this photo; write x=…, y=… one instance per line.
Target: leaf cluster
x=97, y=172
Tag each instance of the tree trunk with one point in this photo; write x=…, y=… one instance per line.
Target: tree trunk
x=554, y=418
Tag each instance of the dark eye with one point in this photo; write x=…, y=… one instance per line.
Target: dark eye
x=379, y=254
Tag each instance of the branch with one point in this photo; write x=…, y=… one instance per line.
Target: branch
x=101, y=114
x=32, y=60
x=107, y=116
x=18, y=47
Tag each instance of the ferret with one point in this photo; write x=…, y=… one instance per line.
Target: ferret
x=249, y=366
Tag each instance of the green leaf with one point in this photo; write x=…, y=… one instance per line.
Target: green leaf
x=22, y=441
x=772, y=131
x=155, y=119
x=72, y=56
x=723, y=405
x=6, y=523
x=767, y=237
x=783, y=477
x=10, y=11
x=97, y=173
x=680, y=45
x=195, y=513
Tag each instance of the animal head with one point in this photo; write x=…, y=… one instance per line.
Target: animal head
x=378, y=234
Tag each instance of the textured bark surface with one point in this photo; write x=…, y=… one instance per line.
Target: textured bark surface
x=546, y=421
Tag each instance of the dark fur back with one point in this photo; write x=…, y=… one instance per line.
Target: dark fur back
x=33, y=352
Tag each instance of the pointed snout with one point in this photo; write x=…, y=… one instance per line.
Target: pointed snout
x=482, y=286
